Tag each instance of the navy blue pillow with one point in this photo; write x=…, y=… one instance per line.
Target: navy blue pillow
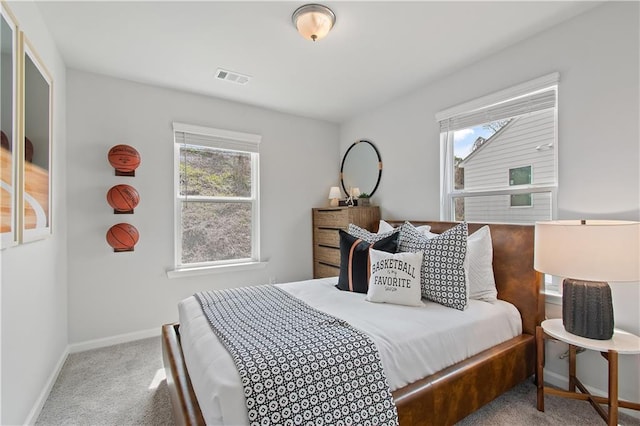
x=354, y=260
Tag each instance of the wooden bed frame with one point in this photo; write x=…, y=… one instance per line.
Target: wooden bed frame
x=448, y=395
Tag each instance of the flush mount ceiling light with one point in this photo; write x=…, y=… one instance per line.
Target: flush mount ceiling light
x=313, y=21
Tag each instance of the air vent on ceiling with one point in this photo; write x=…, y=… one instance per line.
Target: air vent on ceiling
x=232, y=77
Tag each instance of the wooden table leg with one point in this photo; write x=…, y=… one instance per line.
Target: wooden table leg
x=572, y=368
x=613, y=387
x=540, y=367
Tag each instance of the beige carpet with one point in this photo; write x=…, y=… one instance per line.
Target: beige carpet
x=124, y=385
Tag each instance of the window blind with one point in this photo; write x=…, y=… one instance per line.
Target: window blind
x=533, y=102
x=215, y=138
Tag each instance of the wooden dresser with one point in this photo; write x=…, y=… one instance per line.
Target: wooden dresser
x=326, y=239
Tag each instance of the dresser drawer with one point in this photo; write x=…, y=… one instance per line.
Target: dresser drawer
x=327, y=237
x=328, y=255
x=331, y=218
x=327, y=222
x=324, y=271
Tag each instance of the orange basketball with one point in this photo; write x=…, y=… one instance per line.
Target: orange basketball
x=124, y=158
x=123, y=198
x=122, y=236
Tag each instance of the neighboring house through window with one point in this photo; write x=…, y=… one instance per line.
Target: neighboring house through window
x=499, y=156
x=520, y=176
x=216, y=197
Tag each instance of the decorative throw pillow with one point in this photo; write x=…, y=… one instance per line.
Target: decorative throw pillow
x=370, y=237
x=386, y=227
x=479, y=265
x=354, y=260
x=482, y=283
x=443, y=273
x=395, y=278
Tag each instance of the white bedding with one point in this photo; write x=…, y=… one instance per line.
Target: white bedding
x=413, y=342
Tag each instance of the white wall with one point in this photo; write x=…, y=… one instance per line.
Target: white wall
x=34, y=275
x=597, y=56
x=116, y=293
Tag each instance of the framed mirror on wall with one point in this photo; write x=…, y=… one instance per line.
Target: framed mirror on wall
x=8, y=126
x=361, y=168
x=37, y=146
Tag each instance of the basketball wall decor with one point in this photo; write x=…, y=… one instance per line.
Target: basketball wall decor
x=122, y=237
x=123, y=198
x=124, y=159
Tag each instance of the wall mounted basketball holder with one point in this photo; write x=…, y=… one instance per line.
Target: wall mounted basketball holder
x=127, y=173
x=115, y=250
x=121, y=173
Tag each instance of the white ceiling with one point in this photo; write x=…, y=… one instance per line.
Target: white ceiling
x=375, y=52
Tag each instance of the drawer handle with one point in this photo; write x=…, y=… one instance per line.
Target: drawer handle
x=329, y=247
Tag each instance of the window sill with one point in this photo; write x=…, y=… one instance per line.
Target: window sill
x=218, y=269
x=552, y=297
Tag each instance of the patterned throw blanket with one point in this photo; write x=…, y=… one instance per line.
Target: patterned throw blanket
x=299, y=365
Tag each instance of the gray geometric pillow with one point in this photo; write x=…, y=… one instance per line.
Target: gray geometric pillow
x=442, y=275
x=370, y=237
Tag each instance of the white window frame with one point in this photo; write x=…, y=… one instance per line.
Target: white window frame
x=225, y=140
x=448, y=193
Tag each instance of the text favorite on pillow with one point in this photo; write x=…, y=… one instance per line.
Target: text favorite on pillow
x=395, y=278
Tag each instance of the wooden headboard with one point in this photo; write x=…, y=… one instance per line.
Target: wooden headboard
x=516, y=280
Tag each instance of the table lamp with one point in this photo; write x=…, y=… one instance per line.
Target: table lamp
x=334, y=194
x=588, y=253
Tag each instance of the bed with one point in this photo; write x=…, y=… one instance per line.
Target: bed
x=452, y=393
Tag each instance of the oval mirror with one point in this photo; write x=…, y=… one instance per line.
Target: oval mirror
x=361, y=167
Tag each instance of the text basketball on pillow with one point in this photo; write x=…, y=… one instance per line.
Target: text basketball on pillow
x=395, y=278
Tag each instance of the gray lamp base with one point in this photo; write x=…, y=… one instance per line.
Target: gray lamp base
x=587, y=309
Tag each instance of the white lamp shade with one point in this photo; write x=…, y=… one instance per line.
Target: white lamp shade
x=313, y=21
x=596, y=250
x=355, y=192
x=334, y=192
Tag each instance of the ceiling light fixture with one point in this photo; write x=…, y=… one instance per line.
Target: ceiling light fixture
x=313, y=21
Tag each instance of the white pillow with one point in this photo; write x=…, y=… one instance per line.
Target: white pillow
x=479, y=266
x=384, y=227
x=423, y=229
x=395, y=278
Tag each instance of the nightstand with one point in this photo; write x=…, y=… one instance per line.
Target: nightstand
x=621, y=343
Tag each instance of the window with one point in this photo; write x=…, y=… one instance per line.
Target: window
x=490, y=148
x=216, y=197
x=520, y=176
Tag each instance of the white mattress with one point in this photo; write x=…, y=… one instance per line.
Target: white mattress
x=413, y=342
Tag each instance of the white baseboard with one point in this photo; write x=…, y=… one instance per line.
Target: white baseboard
x=562, y=382
x=80, y=347
x=42, y=398
x=113, y=340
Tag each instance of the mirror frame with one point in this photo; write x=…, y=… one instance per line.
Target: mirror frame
x=344, y=158
x=32, y=234
x=10, y=237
